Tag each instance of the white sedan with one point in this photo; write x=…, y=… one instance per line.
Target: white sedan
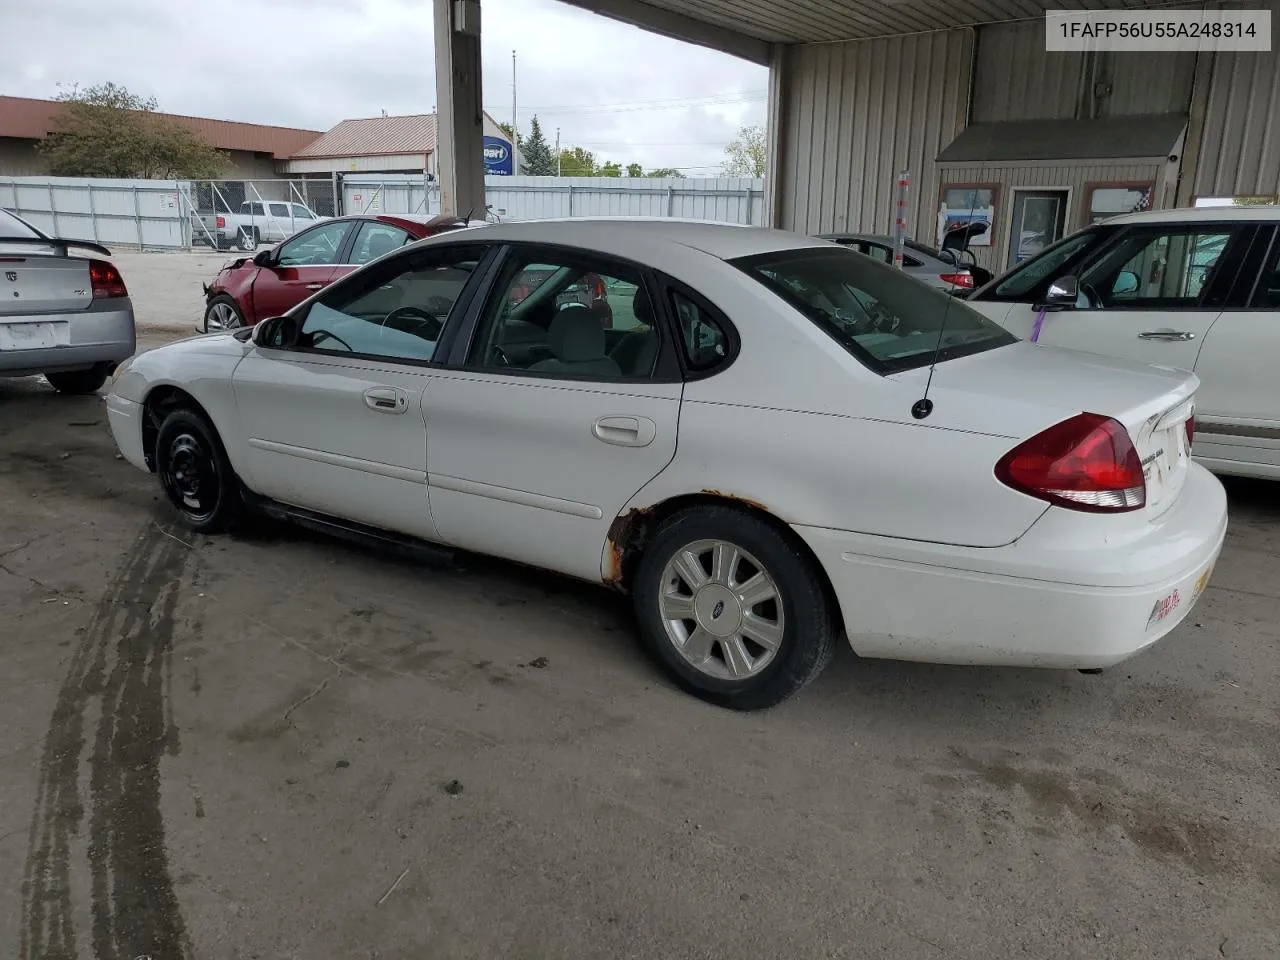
x=768, y=441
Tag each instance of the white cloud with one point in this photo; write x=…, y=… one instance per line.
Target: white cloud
x=625, y=94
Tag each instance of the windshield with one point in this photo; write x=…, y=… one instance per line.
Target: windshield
x=888, y=320
x=1031, y=278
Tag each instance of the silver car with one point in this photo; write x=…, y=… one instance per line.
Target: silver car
x=935, y=268
x=67, y=317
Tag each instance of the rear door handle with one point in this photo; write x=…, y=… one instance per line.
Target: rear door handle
x=1166, y=335
x=386, y=400
x=314, y=286
x=625, y=431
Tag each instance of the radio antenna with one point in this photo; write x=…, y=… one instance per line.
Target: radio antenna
x=924, y=406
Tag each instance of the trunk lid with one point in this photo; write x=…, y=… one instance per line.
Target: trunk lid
x=35, y=283
x=1038, y=386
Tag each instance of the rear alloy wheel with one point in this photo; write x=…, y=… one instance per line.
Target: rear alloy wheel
x=247, y=240
x=732, y=608
x=195, y=473
x=78, y=382
x=222, y=313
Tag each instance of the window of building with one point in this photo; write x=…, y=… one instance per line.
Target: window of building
x=1106, y=200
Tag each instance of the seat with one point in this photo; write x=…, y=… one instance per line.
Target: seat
x=379, y=245
x=634, y=353
x=577, y=342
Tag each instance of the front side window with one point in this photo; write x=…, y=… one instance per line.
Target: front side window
x=886, y=319
x=398, y=312
x=565, y=314
x=1166, y=266
x=376, y=239
x=315, y=248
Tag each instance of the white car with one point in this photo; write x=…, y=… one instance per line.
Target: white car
x=1196, y=288
x=759, y=450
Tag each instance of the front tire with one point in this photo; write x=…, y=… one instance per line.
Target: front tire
x=195, y=474
x=78, y=382
x=732, y=608
x=222, y=313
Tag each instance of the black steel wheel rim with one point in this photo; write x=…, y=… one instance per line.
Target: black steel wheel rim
x=191, y=477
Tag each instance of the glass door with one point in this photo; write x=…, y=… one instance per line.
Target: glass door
x=1039, y=217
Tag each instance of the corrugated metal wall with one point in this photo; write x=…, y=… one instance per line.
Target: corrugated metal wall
x=859, y=113
x=1015, y=79
x=1240, y=145
x=1046, y=177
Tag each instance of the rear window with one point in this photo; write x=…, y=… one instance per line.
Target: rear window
x=11, y=226
x=888, y=320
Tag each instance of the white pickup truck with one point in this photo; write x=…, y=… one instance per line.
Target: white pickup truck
x=257, y=222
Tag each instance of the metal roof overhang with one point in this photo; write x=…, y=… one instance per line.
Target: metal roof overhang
x=747, y=28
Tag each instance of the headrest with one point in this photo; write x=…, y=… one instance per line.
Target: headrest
x=576, y=335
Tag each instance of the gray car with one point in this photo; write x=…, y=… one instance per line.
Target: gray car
x=923, y=263
x=67, y=317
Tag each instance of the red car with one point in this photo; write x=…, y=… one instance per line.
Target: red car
x=268, y=284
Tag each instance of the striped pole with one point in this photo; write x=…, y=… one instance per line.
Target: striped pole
x=900, y=220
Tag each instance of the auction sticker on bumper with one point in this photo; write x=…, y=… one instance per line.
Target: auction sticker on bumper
x=1164, y=606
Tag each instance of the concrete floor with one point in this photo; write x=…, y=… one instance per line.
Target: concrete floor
x=284, y=747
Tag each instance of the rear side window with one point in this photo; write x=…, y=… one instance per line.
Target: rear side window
x=1267, y=296
x=887, y=319
x=702, y=335
x=279, y=210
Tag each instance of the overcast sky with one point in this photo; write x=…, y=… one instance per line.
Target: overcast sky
x=622, y=93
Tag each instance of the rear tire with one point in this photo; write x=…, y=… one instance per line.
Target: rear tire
x=759, y=625
x=247, y=239
x=195, y=474
x=78, y=382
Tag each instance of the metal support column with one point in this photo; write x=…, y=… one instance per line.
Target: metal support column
x=777, y=129
x=460, y=123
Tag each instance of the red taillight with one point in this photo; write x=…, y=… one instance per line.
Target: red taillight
x=1191, y=430
x=221, y=222
x=957, y=279
x=1085, y=463
x=106, y=280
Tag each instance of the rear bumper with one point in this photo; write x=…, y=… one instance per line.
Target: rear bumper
x=102, y=334
x=1048, y=600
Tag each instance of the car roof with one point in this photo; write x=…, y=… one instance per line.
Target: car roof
x=1201, y=215
x=726, y=241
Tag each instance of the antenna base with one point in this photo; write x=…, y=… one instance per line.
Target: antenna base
x=922, y=408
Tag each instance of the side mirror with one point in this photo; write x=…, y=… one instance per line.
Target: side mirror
x=274, y=333
x=1126, y=282
x=1062, y=293
x=264, y=258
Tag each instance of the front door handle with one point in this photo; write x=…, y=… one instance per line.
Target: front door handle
x=1166, y=335
x=314, y=286
x=625, y=431
x=386, y=400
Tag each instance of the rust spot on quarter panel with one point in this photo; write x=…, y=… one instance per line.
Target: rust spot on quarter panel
x=733, y=496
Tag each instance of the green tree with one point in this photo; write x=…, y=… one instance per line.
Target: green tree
x=536, y=152
x=664, y=172
x=106, y=131
x=635, y=170
x=610, y=169
x=745, y=156
x=576, y=162
x=506, y=131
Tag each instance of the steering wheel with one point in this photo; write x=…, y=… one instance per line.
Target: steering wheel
x=428, y=323
x=882, y=320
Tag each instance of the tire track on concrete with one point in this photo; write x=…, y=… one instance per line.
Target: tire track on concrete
x=122, y=664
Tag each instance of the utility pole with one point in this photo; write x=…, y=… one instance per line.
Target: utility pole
x=557, y=151
x=515, y=130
